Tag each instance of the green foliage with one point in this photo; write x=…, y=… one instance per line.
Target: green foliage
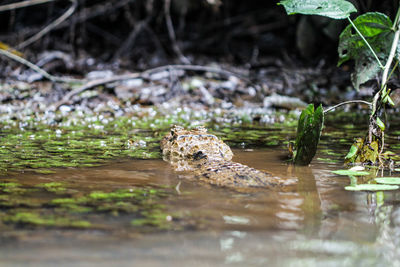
x=308, y=134
x=380, y=123
x=376, y=28
x=335, y=9
x=352, y=153
x=52, y=186
x=361, y=152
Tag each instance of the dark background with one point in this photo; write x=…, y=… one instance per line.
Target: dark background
x=133, y=34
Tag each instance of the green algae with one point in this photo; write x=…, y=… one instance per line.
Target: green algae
x=156, y=218
x=76, y=209
x=13, y=188
x=270, y=136
x=92, y=140
x=9, y=185
x=34, y=219
x=52, y=186
x=40, y=151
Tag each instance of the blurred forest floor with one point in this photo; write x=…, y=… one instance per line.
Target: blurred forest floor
x=108, y=56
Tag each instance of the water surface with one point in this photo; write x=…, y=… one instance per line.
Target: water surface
x=316, y=224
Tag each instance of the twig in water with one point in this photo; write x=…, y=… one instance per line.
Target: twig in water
x=171, y=32
x=177, y=188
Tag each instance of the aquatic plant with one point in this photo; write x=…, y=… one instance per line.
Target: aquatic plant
x=369, y=40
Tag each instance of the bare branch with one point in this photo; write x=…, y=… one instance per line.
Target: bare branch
x=23, y=4
x=144, y=74
x=171, y=32
x=346, y=103
x=35, y=67
x=51, y=26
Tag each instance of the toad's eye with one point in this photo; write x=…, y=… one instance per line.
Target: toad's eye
x=199, y=155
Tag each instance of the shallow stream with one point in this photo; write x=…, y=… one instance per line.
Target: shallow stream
x=139, y=212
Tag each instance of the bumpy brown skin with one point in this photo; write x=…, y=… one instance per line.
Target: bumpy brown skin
x=209, y=158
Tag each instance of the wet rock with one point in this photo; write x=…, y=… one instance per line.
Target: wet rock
x=124, y=92
x=286, y=102
x=99, y=74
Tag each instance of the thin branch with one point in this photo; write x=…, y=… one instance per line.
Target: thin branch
x=145, y=74
x=83, y=15
x=226, y=73
x=377, y=96
x=345, y=103
x=92, y=84
x=51, y=26
x=390, y=58
x=23, y=4
x=129, y=42
x=396, y=20
x=171, y=32
x=35, y=67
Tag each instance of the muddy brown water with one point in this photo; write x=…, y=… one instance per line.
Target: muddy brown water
x=317, y=224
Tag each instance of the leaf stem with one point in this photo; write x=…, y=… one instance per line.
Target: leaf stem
x=393, y=69
x=390, y=58
x=387, y=66
x=396, y=20
x=345, y=103
x=366, y=42
x=378, y=95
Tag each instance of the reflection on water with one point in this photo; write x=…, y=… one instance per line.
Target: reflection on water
x=316, y=224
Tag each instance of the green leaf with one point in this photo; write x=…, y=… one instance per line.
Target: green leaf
x=371, y=187
x=390, y=100
x=335, y=9
x=352, y=152
x=365, y=69
x=388, y=180
x=308, y=134
x=376, y=28
x=349, y=172
x=380, y=124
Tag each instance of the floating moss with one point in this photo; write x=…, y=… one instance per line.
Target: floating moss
x=52, y=186
x=9, y=185
x=35, y=219
x=64, y=201
x=112, y=195
x=13, y=188
x=155, y=218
